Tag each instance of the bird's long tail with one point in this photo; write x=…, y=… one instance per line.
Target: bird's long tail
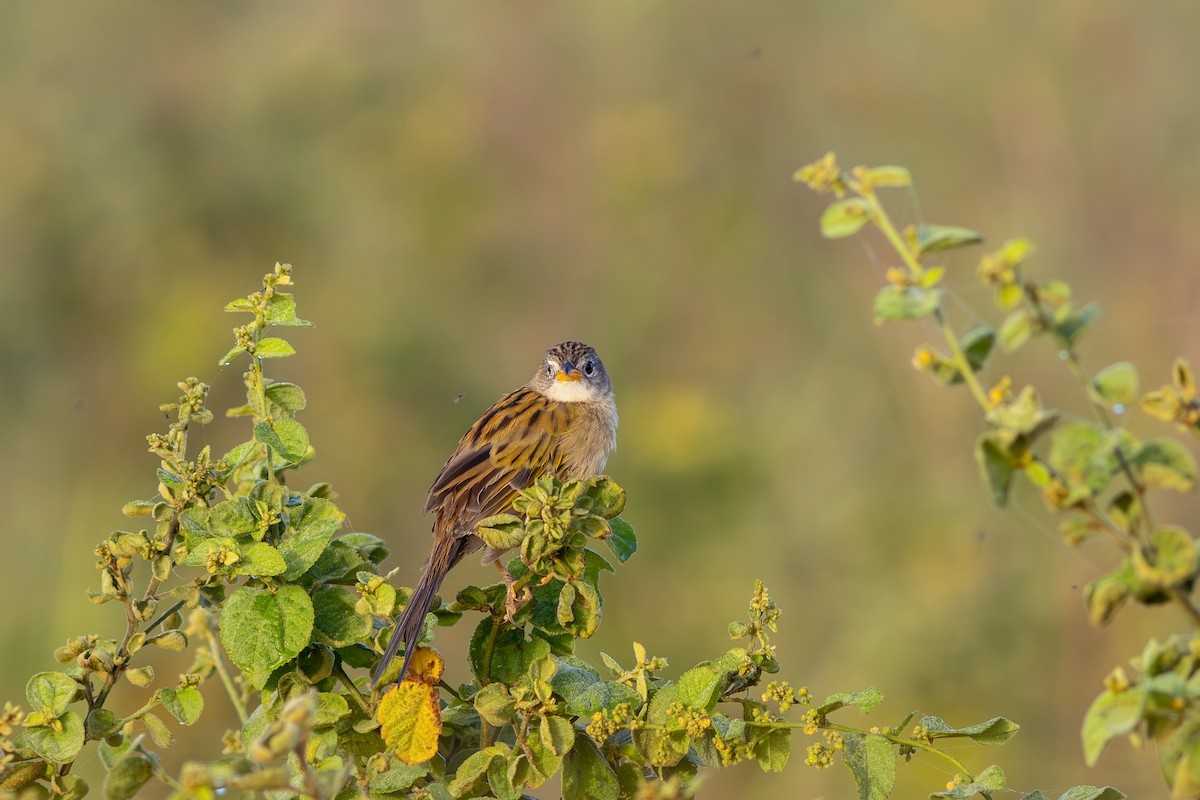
x=447, y=550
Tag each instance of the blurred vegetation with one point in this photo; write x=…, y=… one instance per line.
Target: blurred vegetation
x=617, y=173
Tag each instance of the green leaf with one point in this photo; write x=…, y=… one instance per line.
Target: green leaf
x=285, y=436
x=889, y=176
x=1111, y=714
x=287, y=397
x=281, y=311
x=336, y=618
x=1165, y=463
x=159, y=732
x=1169, y=557
x=312, y=526
x=988, y=782
x=995, y=465
x=494, y=704
x=623, y=541
x=864, y=701
x=397, y=778
x=586, y=774
x=845, y=218
x=260, y=559
x=872, y=762
x=241, y=304
x=339, y=562
x=1082, y=453
x=231, y=355
x=772, y=750
x=58, y=746
x=1105, y=595
x=501, y=532
x=51, y=692
x=184, y=703
x=1117, y=384
x=1092, y=793
x=557, y=734
x=997, y=730
x=274, y=347
x=128, y=776
x=100, y=722
x=899, y=302
x=604, y=497
x=697, y=688
x=1023, y=414
x=977, y=345
x=331, y=708
x=1071, y=328
x=933, y=238
x=262, y=630
x=232, y=517
x=293, y=437
x=474, y=768
x=1015, y=330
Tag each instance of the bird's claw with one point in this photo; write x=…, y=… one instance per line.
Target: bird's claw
x=513, y=603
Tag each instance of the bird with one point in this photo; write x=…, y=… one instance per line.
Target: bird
x=563, y=422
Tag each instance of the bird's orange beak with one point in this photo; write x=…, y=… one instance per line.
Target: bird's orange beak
x=568, y=373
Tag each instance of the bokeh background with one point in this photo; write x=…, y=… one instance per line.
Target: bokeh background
x=459, y=187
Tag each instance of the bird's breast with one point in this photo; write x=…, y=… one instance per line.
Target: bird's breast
x=589, y=439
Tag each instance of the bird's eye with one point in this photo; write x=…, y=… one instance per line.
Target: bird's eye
x=589, y=368
x=550, y=369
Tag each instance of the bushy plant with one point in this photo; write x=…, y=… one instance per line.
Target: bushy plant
x=289, y=613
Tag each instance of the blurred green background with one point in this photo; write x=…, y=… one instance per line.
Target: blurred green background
x=460, y=187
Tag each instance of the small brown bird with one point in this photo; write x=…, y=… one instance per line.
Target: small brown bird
x=563, y=422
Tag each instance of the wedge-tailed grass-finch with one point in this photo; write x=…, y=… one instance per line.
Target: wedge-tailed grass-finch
x=563, y=422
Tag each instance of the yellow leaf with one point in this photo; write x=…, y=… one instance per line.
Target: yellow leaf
x=426, y=666
x=410, y=720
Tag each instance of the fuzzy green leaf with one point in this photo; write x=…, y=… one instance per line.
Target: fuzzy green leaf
x=274, y=347
x=995, y=465
x=260, y=559
x=845, y=218
x=314, y=525
x=336, y=618
x=864, y=701
x=501, y=532
x=697, y=688
x=1111, y=714
x=899, y=302
x=933, y=238
x=1117, y=384
x=184, y=703
x=1015, y=330
x=51, y=692
x=58, y=746
x=159, y=731
x=281, y=311
x=872, y=762
x=623, y=541
x=988, y=782
x=1168, y=558
x=1165, y=463
x=997, y=730
x=262, y=630
x=1092, y=793
x=287, y=397
x=586, y=774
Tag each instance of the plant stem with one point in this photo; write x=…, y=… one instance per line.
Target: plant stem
x=916, y=744
x=214, y=647
x=885, y=225
x=355, y=695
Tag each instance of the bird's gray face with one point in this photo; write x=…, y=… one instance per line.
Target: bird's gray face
x=572, y=373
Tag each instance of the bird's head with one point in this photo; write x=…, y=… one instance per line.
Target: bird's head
x=571, y=372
